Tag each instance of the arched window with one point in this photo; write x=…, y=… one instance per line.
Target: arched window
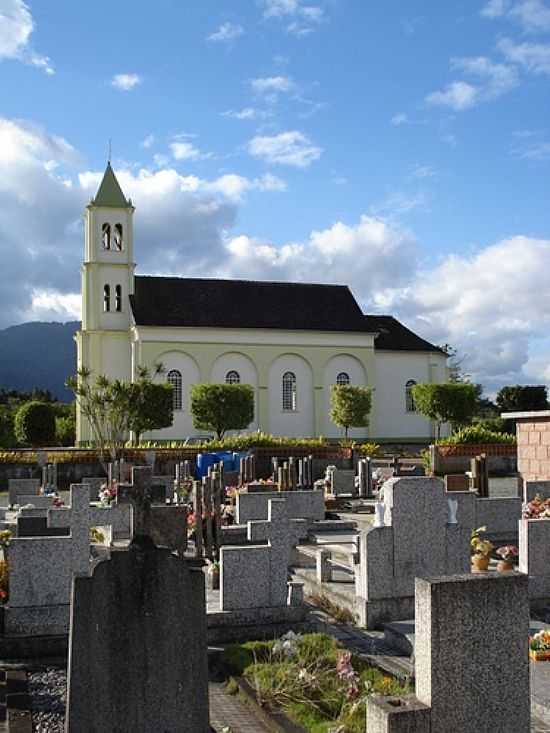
x=174, y=378
x=343, y=379
x=289, y=391
x=118, y=298
x=232, y=377
x=409, y=400
x=106, y=298
x=118, y=237
x=106, y=236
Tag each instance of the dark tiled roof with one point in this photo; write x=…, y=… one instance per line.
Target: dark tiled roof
x=394, y=336
x=167, y=301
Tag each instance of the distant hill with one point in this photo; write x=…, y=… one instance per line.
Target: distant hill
x=38, y=355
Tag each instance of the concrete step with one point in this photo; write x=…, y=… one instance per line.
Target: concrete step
x=400, y=635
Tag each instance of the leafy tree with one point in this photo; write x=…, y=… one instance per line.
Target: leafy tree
x=151, y=407
x=222, y=407
x=350, y=406
x=7, y=429
x=454, y=403
x=114, y=407
x=522, y=398
x=65, y=430
x=35, y=424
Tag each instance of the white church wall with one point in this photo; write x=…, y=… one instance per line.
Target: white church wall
x=183, y=421
x=393, y=370
x=245, y=368
x=297, y=422
x=350, y=365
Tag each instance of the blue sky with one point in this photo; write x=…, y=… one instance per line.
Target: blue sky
x=402, y=151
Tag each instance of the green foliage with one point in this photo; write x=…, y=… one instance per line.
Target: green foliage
x=373, y=450
x=65, y=430
x=222, y=407
x=522, y=398
x=454, y=403
x=35, y=424
x=151, y=407
x=114, y=407
x=477, y=434
x=305, y=683
x=494, y=424
x=350, y=406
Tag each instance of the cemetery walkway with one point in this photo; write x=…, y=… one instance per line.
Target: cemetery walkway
x=229, y=711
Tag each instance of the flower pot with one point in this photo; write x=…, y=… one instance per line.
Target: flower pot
x=480, y=563
x=214, y=577
x=504, y=567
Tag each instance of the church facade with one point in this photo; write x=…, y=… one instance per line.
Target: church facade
x=289, y=341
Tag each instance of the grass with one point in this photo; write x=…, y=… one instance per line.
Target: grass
x=301, y=678
x=338, y=613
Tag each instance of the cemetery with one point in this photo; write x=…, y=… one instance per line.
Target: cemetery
x=295, y=580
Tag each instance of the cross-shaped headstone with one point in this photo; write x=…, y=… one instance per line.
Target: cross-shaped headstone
x=165, y=524
x=79, y=517
x=282, y=534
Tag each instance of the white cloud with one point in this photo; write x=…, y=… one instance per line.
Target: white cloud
x=16, y=27
x=423, y=171
x=226, y=32
x=125, y=82
x=234, y=187
x=287, y=148
x=399, y=119
x=483, y=304
x=458, y=95
x=301, y=19
x=271, y=86
x=495, y=8
x=184, y=151
x=52, y=305
x=247, y=113
x=494, y=81
x=148, y=141
x=533, y=57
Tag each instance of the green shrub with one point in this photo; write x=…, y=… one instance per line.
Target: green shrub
x=222, y=407
x=477, y=434
x=65, y=430
x=35, y=424
x=350, y=406
x=445, y=403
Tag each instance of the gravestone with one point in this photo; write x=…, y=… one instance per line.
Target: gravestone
x=22, y=486
x=415, y=539
x=470, y=653
x=41, y=571
x=165, y=524
x=37, y=502
x=256, y=576
x=138, y=649
x=341, y=481
x=307, y=504
x=534, y=557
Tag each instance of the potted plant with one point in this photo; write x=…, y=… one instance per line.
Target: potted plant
x=509, y=555
x=539, y=646
x=481, y=550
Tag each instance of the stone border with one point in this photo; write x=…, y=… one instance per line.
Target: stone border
x=17, y=701
x=275, y=720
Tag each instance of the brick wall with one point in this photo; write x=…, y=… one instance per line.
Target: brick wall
x=534, y=449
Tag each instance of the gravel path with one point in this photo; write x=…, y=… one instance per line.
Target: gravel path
x=48, y=691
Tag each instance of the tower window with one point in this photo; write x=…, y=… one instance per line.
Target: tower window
x=343, y=379
x=174, y=379
x=233, y=377
x=118, y=298
x=289, y=391
x=106, y=236
x=106, y=298
x=409, y=399
x=118, y=237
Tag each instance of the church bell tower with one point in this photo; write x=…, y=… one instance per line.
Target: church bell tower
x=107, y=281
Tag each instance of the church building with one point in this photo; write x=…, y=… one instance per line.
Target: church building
x=289, y=341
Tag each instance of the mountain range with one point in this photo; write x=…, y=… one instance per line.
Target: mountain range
x=39, y=355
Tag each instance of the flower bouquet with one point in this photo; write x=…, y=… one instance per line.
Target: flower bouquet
x=509, y=556
x=537, y=508
x=539, y=646
x=481, y=550
x=107, y=494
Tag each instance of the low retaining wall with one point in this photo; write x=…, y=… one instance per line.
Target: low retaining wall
x=501, y=458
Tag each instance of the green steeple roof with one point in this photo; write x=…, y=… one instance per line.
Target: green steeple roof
x=109, y=192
